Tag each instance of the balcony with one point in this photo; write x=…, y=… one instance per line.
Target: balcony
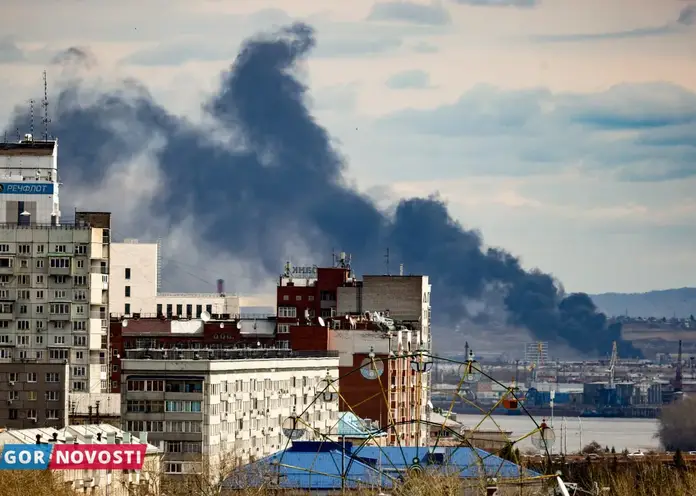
x=8, y=295
x=7, y=312
x=59, y=312
x=7, y=264
x=224, y=354
x=58, y=317
x=59, y=265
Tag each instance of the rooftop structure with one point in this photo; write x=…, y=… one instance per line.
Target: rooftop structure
x=331, y=467
x=29, y=182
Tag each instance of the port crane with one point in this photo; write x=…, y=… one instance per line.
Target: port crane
x=612, y=365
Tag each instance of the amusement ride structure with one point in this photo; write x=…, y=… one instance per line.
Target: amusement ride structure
x=327, y=461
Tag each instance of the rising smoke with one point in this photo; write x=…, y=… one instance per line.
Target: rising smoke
x=279, y=176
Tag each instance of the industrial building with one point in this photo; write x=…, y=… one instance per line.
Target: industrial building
x=135, y=287
x=212, y=404
x=54, y=275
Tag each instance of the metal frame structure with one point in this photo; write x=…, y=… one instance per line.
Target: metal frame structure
x=391, y=472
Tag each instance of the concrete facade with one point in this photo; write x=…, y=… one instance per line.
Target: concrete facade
x=29, y=187
x=34, y=394
x=135, y=288
x=219, y=408
x=54, y=298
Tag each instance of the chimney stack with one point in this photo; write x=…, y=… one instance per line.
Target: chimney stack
x=221, y=286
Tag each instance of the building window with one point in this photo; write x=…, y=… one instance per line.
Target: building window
x=159, y=309
x=287, y=312
x=180, y=310
x=283, y=328
x=199, y=311
x=189, y=311
x=284, y=345
x=128, y=291
x=127, y=273
x=209, y=308
x=169, y=311
x=127, y=308
x=286, y=297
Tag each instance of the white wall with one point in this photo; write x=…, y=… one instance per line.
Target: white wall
x=230, y=423
x=141, y=259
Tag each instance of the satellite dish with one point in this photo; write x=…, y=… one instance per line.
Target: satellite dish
x=222, y=326
x=239, y=324
x=124, y=323
x=321, y=322
x=205, y=316
x=25, y=214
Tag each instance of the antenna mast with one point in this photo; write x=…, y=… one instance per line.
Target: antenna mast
x=44, y=104
x=386, y=260
x=31, y=117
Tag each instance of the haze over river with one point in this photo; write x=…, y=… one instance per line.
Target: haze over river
x=631, y=434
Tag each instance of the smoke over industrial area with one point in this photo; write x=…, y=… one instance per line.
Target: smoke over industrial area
x=269, y=184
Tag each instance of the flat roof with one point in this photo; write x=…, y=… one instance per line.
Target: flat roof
x=31, y=148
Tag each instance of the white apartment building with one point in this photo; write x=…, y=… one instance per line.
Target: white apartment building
x=134, y=287
x=53, y=275
x=225, y=403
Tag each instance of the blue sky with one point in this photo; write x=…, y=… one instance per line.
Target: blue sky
x=564, y=131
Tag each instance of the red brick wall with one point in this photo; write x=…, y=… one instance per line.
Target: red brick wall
x=364, y=397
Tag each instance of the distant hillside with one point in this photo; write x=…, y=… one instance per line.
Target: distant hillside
x=667, y=303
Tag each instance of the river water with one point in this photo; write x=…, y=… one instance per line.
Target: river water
x=630, y=434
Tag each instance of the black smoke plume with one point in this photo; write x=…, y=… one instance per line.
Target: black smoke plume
x=287, y=173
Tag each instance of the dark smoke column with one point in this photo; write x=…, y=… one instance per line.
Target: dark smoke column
x=280, y=178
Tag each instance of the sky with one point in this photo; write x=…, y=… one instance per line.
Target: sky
x=563, y=131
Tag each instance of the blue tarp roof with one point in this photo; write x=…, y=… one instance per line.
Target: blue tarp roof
x=318, y=465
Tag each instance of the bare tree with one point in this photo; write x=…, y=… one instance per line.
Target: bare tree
x=677, y=428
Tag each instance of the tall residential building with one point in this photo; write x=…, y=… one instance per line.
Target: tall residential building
x=135, y=287
x=53, y=274
x=226, y=405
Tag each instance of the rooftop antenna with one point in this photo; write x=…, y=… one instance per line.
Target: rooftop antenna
x=31, y=117
x=44, y=104
x=386, y=260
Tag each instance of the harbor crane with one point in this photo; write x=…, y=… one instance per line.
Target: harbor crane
x=612, y=365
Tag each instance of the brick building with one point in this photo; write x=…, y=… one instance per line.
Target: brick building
x=163, y=333
x=387, y=316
